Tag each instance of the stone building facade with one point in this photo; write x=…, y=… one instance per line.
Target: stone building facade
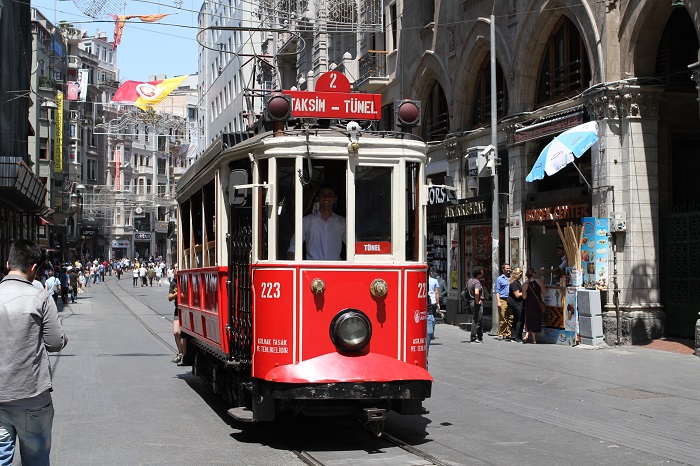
x=628, y=66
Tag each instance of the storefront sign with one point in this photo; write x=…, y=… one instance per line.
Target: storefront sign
x=436, y=195
x=548, y=128
x=85, y=231
x=120, y=244
x=560, y=212
x=476, y=207
x=142, y=236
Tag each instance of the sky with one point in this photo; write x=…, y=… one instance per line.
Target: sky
x=167, y=47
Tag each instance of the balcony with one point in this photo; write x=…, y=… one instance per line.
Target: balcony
x=46, y=82
x=373, y=73
x=74, y=62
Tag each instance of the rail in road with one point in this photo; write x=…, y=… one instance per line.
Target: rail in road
x=352, y=444
x=503, y=403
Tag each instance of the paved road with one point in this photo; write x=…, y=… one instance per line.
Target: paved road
x=119, y=401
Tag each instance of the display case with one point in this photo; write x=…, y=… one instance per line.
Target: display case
x=437, y=253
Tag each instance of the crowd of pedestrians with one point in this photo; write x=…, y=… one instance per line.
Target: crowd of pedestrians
x=520, y=304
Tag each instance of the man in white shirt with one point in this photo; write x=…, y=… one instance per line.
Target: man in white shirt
x=323, y=231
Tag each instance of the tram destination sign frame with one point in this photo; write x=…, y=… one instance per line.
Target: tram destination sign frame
x=332, y=99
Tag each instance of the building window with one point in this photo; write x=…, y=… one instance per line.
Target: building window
x=564, y=70
x=436, y=123
x=481, y=114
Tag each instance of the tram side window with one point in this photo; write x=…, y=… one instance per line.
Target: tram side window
x=197, y=229
x=412, y=219
x=209, y=240
x=373, y=210
x=286, y=177
x=185, y=232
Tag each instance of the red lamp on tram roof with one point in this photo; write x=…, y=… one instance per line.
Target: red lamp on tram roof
x=407, y=113
x=278, y=107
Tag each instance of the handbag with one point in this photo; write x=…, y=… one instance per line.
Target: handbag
x=542, y=306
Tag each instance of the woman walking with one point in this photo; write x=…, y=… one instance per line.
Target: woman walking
x=532, y=294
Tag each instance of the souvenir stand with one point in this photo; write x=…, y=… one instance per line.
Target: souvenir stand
x=586, y=248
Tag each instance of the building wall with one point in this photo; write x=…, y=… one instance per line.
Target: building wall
x=629, y=167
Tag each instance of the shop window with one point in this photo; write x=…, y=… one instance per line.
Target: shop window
x=564, y=70
x=481, y=114
x=436, y=116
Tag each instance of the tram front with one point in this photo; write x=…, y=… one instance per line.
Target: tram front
x=338, y=274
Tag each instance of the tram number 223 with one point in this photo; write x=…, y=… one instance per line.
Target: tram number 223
x=270, y=290
x=422, y=290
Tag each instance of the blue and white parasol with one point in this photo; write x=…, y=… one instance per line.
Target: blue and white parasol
x=561, y=151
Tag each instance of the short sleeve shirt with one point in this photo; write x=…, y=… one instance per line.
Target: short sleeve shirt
x=472, y=285
x=324, y=238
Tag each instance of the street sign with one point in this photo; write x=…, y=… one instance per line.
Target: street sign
x=333, y=99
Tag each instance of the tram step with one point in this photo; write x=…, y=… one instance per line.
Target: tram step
x=241, y=414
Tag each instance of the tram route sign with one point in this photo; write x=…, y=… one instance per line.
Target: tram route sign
x=333, y=99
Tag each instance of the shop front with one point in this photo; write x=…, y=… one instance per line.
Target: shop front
x=571, y=250
x=437, y=247
x=143, y=247
x=472, y=219
x=120, y=249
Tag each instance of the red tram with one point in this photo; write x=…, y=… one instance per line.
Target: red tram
x=277, y=333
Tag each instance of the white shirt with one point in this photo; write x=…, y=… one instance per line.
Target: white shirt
x=433, y=289
x=324, y=238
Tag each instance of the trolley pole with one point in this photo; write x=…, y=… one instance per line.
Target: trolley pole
x=495, y=217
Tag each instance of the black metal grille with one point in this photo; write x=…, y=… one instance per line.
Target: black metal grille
x=241, y=243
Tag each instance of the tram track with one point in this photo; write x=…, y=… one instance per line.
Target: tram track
x=366, y=450
x=148, y=328
x=307, y=457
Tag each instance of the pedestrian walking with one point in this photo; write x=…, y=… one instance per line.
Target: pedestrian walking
x=473, y=293
x=135, y=275
x=179, y=341
x=29, y=330
x=53, y=286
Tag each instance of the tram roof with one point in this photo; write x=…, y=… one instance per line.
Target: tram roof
x=220, y=146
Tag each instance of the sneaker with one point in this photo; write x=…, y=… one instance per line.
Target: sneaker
x=177, y=359
x=500, y=337
x=477, y=341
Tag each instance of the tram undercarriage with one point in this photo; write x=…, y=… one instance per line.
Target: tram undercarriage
x=256, y=400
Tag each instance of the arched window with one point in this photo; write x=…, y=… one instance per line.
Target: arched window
x=436, y=116
x=565, y=68
x=677, y=49
x=481, y=114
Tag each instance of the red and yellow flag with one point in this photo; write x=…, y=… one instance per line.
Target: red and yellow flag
x=120, y=21
x=145, y=94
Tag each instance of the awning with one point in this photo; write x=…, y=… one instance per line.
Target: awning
x=551, y=124
x=46, y=221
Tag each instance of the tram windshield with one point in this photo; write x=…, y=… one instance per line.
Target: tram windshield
x=324, y=210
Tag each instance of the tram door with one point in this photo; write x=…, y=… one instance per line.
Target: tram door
x=240, y=243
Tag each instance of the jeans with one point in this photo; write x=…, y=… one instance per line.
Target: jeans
x=33, y=426
x=478, y=322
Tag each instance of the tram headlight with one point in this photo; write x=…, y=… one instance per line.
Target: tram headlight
x=350, y=330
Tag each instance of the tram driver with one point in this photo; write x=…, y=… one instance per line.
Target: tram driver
x=323, y=231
